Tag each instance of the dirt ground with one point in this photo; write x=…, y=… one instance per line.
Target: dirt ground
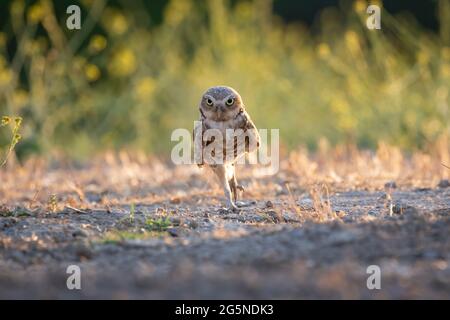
x=139, y=227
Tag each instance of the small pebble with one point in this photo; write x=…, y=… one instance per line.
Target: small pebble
x=173, y=232
x=84, y=251
x=399, y=208
x=175, y=200
x=372, y=213
x=79, y=233
x=175, y=221
x=444, y=183
x=390, y=185
x=275, y=216
x=193, y=224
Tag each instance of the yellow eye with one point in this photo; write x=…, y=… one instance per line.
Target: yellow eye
x=230, y=102
x=209, y=102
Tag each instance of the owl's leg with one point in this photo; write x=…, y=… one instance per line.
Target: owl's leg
x=234, y=186
x=221, y=172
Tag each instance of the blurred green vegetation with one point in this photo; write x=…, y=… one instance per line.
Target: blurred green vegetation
x=122, y=81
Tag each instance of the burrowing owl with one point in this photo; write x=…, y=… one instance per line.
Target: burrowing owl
x=222, y=111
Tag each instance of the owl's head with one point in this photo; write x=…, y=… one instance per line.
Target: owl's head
x=221, y=103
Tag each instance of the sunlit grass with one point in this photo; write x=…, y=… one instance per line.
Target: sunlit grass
x=15, y=123
x=114, y=237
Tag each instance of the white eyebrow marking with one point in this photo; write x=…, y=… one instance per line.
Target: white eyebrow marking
x=228, y=97
x=210, y=97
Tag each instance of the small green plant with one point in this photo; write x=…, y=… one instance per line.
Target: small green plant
x=132, y=209
x=115, y=237
x=160, y=224
x=16, y=212
x=52, y=203
x=5, y=212
x=16, y=123
x=120, y=236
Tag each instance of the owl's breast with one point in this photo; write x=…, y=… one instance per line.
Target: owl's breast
x=222, y=126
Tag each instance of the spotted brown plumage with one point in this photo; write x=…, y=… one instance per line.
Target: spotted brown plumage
x=222, y=113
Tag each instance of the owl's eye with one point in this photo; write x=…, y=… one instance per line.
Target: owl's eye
x=230, y=102
x=209, y=102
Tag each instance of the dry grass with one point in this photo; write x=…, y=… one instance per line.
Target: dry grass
x=322, y=204
x=118, y=180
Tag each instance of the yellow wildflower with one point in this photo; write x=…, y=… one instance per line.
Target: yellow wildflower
x=92, y=72
x=114, y=21
x=359, y=5
x=97, y=43
x=5, y=121
x=35, y=13
x=123, y=63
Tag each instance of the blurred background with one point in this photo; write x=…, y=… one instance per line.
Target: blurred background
x=136, y=71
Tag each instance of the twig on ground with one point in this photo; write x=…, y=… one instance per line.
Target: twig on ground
x=75, y=209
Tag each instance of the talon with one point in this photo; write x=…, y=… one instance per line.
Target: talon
x=232, y=207
x=240, y=187
x=241, y=204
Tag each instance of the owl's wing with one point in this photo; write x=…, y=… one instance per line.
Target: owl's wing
x=252, y=134
x=248, y=139
x=198, y=143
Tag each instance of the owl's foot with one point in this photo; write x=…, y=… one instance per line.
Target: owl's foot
x=232, y=208
x=241, y=204
x=234, y=190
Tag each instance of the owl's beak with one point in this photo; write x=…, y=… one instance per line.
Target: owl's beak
x=220, y=112
x=221, y=108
